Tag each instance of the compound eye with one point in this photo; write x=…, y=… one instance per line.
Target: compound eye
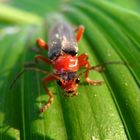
x=73, y=53
x=77, y=80
x=59, y=83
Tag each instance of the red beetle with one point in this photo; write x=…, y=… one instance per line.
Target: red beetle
x=62, y=56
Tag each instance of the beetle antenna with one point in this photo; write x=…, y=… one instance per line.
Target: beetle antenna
x=112, y=62
x=16, y=78
x=101, y=67
x=24, y=70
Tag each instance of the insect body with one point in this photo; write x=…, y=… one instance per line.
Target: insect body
x=62, y=56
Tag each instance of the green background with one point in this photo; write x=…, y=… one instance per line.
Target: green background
x=107, y=112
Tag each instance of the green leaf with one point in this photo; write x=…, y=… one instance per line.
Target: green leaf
x=39, y=7
x=13, y=41
x=106, y=112
x=132, y=4
x=16, y=16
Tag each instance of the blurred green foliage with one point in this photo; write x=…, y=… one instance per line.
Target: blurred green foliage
x=39, y=7
x=107, y=112
x=129, y=4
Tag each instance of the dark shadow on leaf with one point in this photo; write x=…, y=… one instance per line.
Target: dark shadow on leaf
x=5, y=136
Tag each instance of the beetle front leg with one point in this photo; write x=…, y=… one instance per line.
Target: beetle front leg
x=92, y=82
x=44, y=81
x=80, y=31
x=42, y=44
x=47, y=105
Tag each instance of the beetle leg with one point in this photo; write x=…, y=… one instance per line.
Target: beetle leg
x=92, y=82
x=44, y=81
x=42, y=44
x=40, y=57
x=83, y=62
x=80, y=31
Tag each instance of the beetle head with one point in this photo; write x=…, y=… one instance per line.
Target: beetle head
x=70, y=83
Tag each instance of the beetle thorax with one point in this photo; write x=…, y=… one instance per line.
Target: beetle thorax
x=66, y=63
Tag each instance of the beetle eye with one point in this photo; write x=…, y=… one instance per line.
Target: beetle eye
x=59, y=83
x=73, y=53
x=77, y=80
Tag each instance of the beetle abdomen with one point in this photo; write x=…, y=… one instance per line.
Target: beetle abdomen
x=61, y=39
